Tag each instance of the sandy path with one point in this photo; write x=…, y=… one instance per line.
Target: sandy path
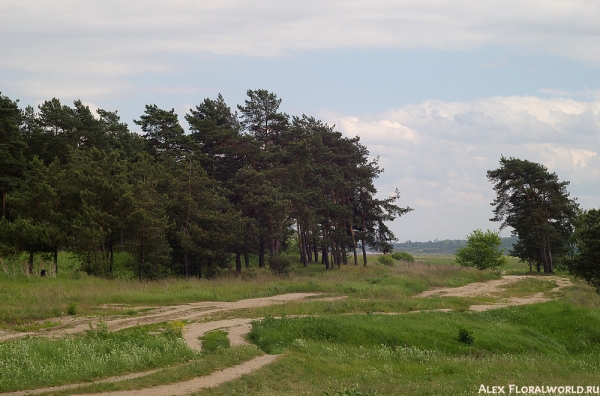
x=187, y=387
x=489, y=288
x=190, y=311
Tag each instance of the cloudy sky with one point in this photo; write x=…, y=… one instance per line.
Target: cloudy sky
x=438, y=89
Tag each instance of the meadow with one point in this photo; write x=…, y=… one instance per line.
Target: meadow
x=379, y=340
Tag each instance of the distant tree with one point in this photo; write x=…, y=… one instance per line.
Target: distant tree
x=482, y=251
x=586, y=262
x=536, y=205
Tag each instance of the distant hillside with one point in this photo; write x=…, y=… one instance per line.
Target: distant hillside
x=446, y=246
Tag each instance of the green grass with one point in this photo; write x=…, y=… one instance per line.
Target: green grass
x=38, y=362
x=214, y=340
x=344, y=346
x=527, y=287
x=549, y=328
x=553, y=343
x=203, y=365
x=317, y=367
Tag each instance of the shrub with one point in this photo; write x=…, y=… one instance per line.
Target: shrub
x=385, y=259
x=403, y=256
x=482, y=251
x=72, y=308
x=465, y=337
x=280, y=264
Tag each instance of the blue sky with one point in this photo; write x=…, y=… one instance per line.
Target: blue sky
x=438, y=90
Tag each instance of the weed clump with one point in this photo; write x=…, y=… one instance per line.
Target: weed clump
x=214, y=340
x=465, y=337
x=72, y=308
x=174, y=329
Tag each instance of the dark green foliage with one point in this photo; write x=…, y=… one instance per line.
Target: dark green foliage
x=184, y=204
x=482, y=251
x=385, y=259
x=586, y=261
x=280, y=264
x=214, y=340
x=403, y=256
x=72, y=308
x=465, y=336
x=12, y=160
x=537, y=206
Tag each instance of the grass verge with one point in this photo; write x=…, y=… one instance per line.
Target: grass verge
x=38, y=362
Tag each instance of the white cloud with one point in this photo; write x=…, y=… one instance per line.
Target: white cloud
x=124, y=37
x=442, y=174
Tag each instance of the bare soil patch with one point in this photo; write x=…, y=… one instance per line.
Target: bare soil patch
x=493, y=287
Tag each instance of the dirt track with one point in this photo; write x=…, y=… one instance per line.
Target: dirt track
x=237, y=328
x=190, y=311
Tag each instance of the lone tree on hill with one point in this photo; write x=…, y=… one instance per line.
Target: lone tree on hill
x=537, y=206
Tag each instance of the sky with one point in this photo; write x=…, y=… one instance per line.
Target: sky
x=438, y=90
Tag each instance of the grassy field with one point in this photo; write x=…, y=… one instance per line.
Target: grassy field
x=29, y=300
x=343, y=347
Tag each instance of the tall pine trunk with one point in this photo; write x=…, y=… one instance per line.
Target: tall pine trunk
x=30, y=262
x=261, y=254
x=546, y=256
x=364, y=248
x=238, y=263
x=55, y=260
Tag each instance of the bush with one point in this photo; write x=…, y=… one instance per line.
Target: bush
x=465, y=337
x=482, y=251
x=72, y=308
x=280, y=264
x=403, y=256
x=385, y=259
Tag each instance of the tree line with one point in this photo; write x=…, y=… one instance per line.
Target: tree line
x=240, y=183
